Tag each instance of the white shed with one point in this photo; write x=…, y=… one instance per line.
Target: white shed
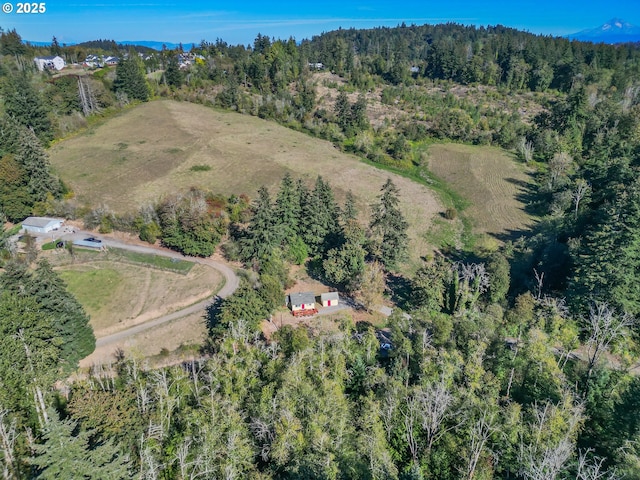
x=41, y=224
x=330, y=299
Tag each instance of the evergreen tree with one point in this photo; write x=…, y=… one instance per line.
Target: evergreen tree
x=262, y=235
x=173, y=75
x=321, y=214
x=66, y=453
x=388, y=227
x=130, y=78
x=23, y=104
x=55, y=47
x=29, y=356
x=72, y=323
x=350, y=211
x=35, y=162
x=358, y=115
x=11, y=43
x=609, y=259
x=342, y=110
x=287, y=210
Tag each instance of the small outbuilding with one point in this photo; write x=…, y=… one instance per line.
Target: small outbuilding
x=41, y=224
x=303, y=303
x=330, y=299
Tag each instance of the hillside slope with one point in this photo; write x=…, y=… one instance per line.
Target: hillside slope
x=148, y=151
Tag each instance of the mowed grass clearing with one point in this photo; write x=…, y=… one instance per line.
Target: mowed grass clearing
x=491, y=181
x=149, y=151
x=118, y=295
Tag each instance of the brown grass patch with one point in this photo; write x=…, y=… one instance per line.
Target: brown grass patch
x=490, y=180
x=135, y=294
x=148, y=151
x=188, y=330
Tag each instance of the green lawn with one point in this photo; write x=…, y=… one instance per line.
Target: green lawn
x=94, y=288
x=156, y=261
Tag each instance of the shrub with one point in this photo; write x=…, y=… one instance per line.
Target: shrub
x=200, y=168
x=451, y=213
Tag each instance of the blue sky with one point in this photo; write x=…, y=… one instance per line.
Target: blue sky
x=240, y=21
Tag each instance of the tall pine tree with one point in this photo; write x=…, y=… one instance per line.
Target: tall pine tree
x=608, y=261
x=262, y=235
x=130, y=78
x=71, y=321
x=23, y=103
x=388, y=227
x=67, y=452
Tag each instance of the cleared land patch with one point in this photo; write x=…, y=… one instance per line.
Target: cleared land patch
x=118, y=295
x=492, y=182
x=166, y=139
x=188, y=330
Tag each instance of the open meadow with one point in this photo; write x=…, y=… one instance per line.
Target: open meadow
x=120, y=295
x=150, y=150
x=491, y=182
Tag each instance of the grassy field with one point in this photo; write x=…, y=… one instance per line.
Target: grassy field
x=151, y=150
x=493, y=184
x=118, y=295
x=150, y=260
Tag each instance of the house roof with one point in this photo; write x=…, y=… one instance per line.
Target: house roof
x=302, y=297
x=329, y=296
x=39, y=222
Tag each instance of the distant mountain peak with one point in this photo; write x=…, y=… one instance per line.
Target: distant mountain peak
x=615, y=30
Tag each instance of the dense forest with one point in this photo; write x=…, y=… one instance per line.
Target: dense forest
x=516, y=363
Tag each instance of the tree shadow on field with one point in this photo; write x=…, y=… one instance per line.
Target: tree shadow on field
x=528, y=196
x=527, y=193
x=400, y=288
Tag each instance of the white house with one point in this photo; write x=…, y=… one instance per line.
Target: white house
x=330, y=299
x=41, y=224
x=50, y=63
x=302, y=303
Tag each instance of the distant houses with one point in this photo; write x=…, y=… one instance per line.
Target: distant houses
x=95, y=61
x=50, y=63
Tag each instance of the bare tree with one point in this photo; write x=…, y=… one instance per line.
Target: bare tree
x=525, y=149
x=558, y=167
x=603, y=327
x=8, y=435
x=539, y=283
x=546, y=464
x=471, y=280
x=582, y=188
x=480, y=433
x=543, y=457
x=435, y=403
x=592, y=468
